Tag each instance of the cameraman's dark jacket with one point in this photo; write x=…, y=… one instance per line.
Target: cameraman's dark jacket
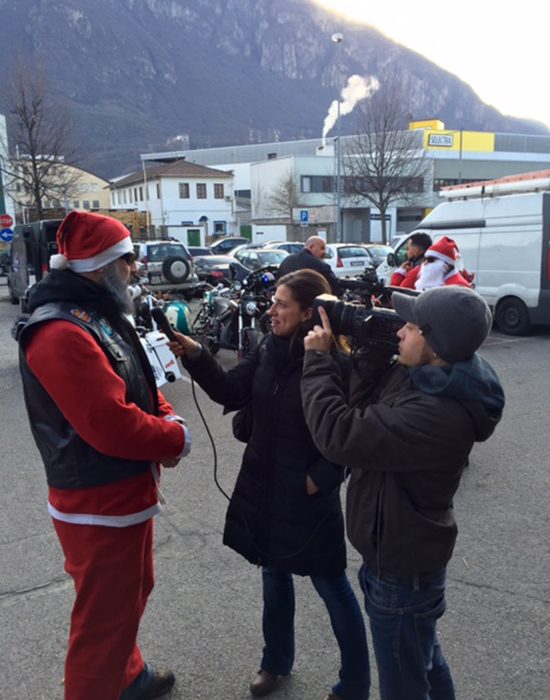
x=406, y=442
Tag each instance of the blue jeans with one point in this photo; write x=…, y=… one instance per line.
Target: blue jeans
x=346, y=620
x=403, y=622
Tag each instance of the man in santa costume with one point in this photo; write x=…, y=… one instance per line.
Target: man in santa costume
x=417, y=245
x=438, y=269
x=102, y=429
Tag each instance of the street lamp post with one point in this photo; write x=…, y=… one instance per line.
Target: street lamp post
x=337, y=39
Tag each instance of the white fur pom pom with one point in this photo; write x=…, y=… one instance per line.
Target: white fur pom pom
x=58, y=262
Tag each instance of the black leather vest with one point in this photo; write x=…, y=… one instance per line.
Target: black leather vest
x=71, y=463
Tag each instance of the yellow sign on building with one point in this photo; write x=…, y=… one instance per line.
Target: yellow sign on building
x=476, y=141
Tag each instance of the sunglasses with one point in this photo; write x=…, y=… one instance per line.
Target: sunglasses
x=129, y=258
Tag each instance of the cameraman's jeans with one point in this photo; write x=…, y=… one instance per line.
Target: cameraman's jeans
x=347, y=623
x=403, y=615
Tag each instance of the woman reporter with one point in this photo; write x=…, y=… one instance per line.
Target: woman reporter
x=285, y=512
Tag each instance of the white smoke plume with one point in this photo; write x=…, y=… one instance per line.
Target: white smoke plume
x=357, y=89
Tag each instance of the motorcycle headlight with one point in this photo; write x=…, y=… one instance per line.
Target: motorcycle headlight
x=250, y=308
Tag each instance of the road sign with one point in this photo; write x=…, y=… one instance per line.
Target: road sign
x=5, y=221
x=304, y=216
x=6, y=235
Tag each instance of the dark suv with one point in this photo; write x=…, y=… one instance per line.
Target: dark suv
x=168, y=265
x=30, y=252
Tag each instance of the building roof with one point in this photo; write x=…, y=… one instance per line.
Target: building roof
x=179, y=168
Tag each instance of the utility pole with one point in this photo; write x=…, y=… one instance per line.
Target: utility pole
x=337, y=38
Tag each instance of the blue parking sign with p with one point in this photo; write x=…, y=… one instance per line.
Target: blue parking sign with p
x=304, y=216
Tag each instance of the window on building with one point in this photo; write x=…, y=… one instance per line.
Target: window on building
x=220, y=227
x=130, y=195
x=76, y=204
x=84, y=187
x=86, y=204
x=184, y=190
x=124, y=201
x=201, y=190
x=218, y=190
x=93, y=187
x=141, y=194
x=158, y=190
x=135, y=194
x=406, y=184
x=317, y=183
x=95, y=204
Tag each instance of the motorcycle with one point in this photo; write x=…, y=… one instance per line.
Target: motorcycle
x=235, y=317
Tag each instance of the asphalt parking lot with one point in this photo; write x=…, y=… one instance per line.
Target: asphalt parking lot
x=204, y=618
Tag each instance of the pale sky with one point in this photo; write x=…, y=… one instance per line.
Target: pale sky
x=503, y=54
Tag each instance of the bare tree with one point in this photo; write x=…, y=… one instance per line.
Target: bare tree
x=37, y=173
x=285, y=196
x=384, y=163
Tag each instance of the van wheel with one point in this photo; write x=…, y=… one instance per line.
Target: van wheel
x=512, y=317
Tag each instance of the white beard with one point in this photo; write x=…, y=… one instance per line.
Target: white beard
x=431, y=275
x=112, y=281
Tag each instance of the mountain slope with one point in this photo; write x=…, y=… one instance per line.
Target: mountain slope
x=135, y=73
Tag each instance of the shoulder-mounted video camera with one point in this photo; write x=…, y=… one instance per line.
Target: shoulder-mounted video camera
x=372, y=331
x=368, y=327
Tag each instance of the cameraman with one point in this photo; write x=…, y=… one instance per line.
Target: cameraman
x=406, y=441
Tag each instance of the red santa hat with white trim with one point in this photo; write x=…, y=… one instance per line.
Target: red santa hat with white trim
x=444, y=249
x=86, y=242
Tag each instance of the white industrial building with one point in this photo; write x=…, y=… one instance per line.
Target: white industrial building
x=452, y=156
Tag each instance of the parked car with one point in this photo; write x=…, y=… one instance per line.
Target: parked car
x=378, y=252
x=254, y=258
x=289, y=246
x=214, y=269
x=225, y=245
x=196, y=250
x=168, y=265
x=246, y=246
x=348, y=259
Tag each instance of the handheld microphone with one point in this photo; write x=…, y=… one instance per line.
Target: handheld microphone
x=160, y=319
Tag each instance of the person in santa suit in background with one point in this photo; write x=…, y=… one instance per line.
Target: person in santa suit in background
x=417, y=245
x=438, y=269
x=103, y=430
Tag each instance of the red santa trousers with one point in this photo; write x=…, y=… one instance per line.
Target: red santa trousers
x=112, y=569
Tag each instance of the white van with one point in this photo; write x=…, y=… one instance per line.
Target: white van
x=502, y=229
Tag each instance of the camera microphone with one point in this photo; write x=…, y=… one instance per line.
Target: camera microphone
x=160, y=319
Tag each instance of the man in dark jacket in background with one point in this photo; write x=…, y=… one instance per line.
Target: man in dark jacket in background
x=311, y=258
x=406, y=441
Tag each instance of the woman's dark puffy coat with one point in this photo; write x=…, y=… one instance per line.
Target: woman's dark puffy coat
x=271, y=520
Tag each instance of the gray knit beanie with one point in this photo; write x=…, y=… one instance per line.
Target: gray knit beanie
x=454, y=320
